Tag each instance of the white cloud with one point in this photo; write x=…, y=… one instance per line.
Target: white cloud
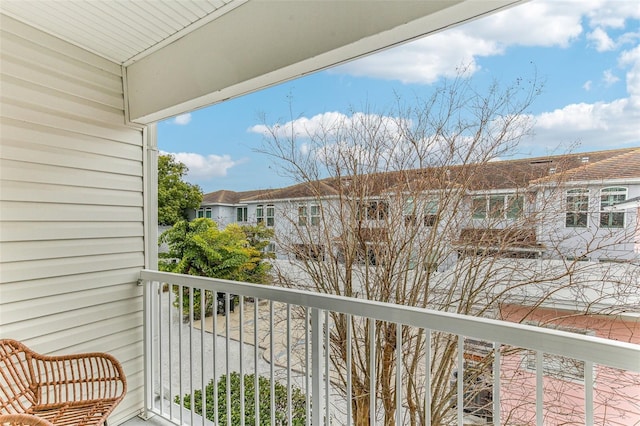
x=601, y=39
x=631, y=59
x=600, y=124
x=609, y=78
x=183, y=119
x=548, y=23
x=205, y=166
x=327, y=124
x=612, y=13
x=542, y=23
x=372, y=141
x=425, y=60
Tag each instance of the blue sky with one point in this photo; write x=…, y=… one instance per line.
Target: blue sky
x=587, y=53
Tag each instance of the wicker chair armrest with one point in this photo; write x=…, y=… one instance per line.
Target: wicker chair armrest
x=78, y=377
x=23, y=420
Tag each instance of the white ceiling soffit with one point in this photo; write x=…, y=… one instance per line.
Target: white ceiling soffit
x=118, y=30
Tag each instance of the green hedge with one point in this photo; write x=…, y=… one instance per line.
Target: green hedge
x=298, y=413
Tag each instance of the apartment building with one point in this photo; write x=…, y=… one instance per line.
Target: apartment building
x=548, y=207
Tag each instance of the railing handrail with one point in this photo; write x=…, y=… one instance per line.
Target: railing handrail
x=612, y=353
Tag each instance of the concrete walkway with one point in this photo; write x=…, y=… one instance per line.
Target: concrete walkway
x=268, y=315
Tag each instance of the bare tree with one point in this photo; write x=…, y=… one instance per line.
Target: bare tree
x=383, y=212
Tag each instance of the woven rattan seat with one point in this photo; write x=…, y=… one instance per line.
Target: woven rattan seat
x=81, y=389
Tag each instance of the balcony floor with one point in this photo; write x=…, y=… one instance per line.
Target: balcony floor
x=153, y=421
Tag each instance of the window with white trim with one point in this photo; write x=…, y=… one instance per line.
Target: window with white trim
x=514, y=206
x=609, y=197
x=302, y=215
x=314, y=210
x=411, y=211
x=308, y=214
x=260, y=213
x=270, y=214
x=479, y=207
x=241, y=214
x=430, y=213
x=577, y=208
x=373, y=210
x=497, y=206
x=204, y=212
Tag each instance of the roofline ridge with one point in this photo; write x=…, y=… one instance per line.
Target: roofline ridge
x=615, y=154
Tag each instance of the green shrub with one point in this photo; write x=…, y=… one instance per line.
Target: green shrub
x=298, y=413
x=199, y=248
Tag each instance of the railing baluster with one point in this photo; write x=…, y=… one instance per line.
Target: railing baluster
x=460, y=381
x=191, y=392
x=180, y=364
x=372, y=371
x=349, y=367
x=327, y=378
x=203, y=394
x=588, y=393
x=307, y=369
x=256, y=357
x=149, y=377
x=495, y=389
x=289, y=417
x=272, y=381
x=227, y=330
x=241, y=352
x=170, y=349
x=398, y=374
x=427, y=377
x=316, y=365
x=214, y=355
x=539, y=387
x=159, y=349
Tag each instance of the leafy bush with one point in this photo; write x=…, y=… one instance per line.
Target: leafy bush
x=298, y=413
x=200, y=248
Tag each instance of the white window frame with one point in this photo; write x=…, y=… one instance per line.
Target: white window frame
x=260, y=213
x=314, y=214
x=303, y=215
x=497, y=206
x=204, y=212
x=241, y=214
x=409, y=211
x=609, y=197
x=431, y=208
x=479, y=207
x=576, y=207
x=270, y=214
x=512, y=200
x=373, y=210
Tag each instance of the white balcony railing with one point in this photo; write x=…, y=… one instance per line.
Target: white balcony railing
x=283, y=335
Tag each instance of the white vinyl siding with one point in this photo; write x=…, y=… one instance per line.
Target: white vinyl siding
x=71, y=205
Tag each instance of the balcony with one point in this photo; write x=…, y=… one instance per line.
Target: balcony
x=290, y=338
